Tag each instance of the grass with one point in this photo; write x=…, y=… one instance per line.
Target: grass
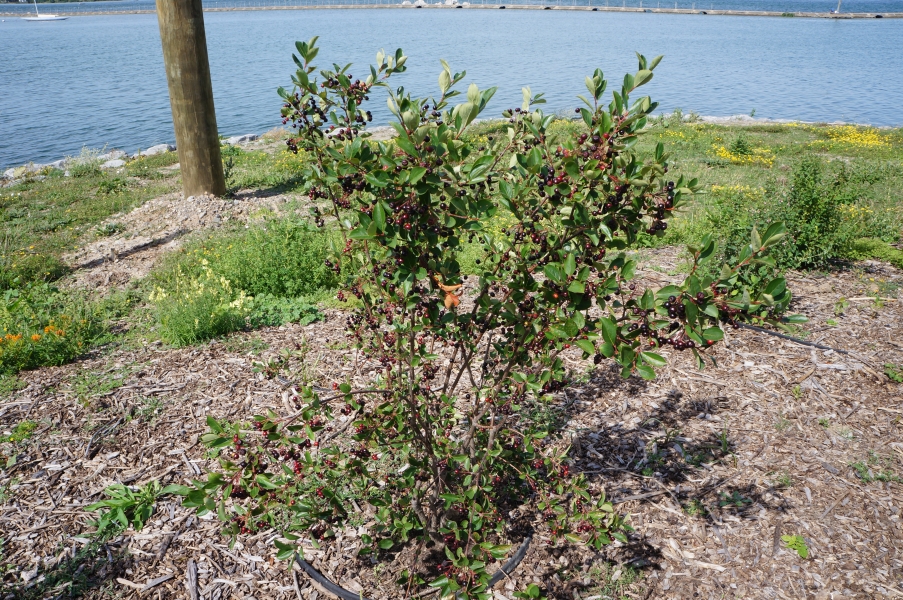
x=10, y=384
x=746, y=172
x=43, y=220
x=617, y=582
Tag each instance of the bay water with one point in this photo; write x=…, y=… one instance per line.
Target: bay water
x=98, y=81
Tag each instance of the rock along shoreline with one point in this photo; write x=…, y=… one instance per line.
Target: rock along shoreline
x=115, y=159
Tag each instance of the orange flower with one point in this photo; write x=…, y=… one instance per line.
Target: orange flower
x=48, y=329
x=35, y=338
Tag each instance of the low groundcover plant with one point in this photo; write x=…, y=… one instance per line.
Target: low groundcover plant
x=442, y=447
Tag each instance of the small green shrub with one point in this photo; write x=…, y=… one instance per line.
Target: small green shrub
x=41, y=326
x=875, y=468
x=126, y=506
x=198, y=308
x=282, y=257
x=878, y=249
x=270, y=311
x=10, y=384
x=741, y=146
x=86, y=164
x=109, y=229
x=112, y=186
x=811, y=209
x=25, y=267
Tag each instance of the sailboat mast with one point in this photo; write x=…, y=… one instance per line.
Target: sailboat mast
x=838, y=6
x=36, y=8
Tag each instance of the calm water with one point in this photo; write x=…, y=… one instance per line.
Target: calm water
x=99, y=81
x=869, y=6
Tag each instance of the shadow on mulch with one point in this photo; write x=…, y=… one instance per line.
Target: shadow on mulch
x=94, y=566
x=645, y=462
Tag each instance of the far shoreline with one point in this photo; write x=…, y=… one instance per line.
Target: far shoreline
x=613, y=9
x=384, y=132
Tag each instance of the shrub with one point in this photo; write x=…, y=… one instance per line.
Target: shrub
x=881, y=250
x=268, y=310
x=41, y=326
x=294, y=254
x=815, y=210
x=25, y=267
x=198, y=308
x=86, y=164
x=442, y=449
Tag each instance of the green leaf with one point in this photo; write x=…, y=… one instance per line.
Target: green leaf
x=571, y=328
x=642, y=77
x=379, y=216
x=213, y=424
x=609, y=330
x=645, y=372
x=773, y=234
x=795, y=319
x=265, y=482
x=570, y=264
x=756, y=241
x=360, y=234
x=553, y=272
x=653, y=359
x=577, y=287
x=385, y=543
x=587, y=346
x=417, y=174
x=713, y=334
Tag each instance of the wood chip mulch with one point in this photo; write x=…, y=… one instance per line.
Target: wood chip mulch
x=712, y=466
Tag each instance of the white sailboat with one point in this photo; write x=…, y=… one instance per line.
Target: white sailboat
x=45, y=17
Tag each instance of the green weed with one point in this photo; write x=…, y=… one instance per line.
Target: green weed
x=782, y=424
x=620, y=582
x=269, y=310
x=295, y=259
x=894, y=372
x=695, y=508
x=193, y=309
x=86, y=164
x=126, y=507
x=732, y=500
x=796, y=543
x=22, y=432
x=875, y=468
x=10, y=384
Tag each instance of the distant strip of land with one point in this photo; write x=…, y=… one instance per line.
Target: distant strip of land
x=620, y=9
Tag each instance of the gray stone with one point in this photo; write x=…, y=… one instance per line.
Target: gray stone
x=242, y=139
x=112, y=155
x=58, y=164
x=113, y=164
x=16, y=172
x=158, y=149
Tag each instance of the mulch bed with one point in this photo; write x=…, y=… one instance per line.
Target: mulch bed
x=736, y=456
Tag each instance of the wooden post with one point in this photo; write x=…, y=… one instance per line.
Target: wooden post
x=191, y=96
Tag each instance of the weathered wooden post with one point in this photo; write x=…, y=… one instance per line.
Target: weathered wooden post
x=191, y=96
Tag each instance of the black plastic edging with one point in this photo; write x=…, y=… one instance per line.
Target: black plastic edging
x=344, y=594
